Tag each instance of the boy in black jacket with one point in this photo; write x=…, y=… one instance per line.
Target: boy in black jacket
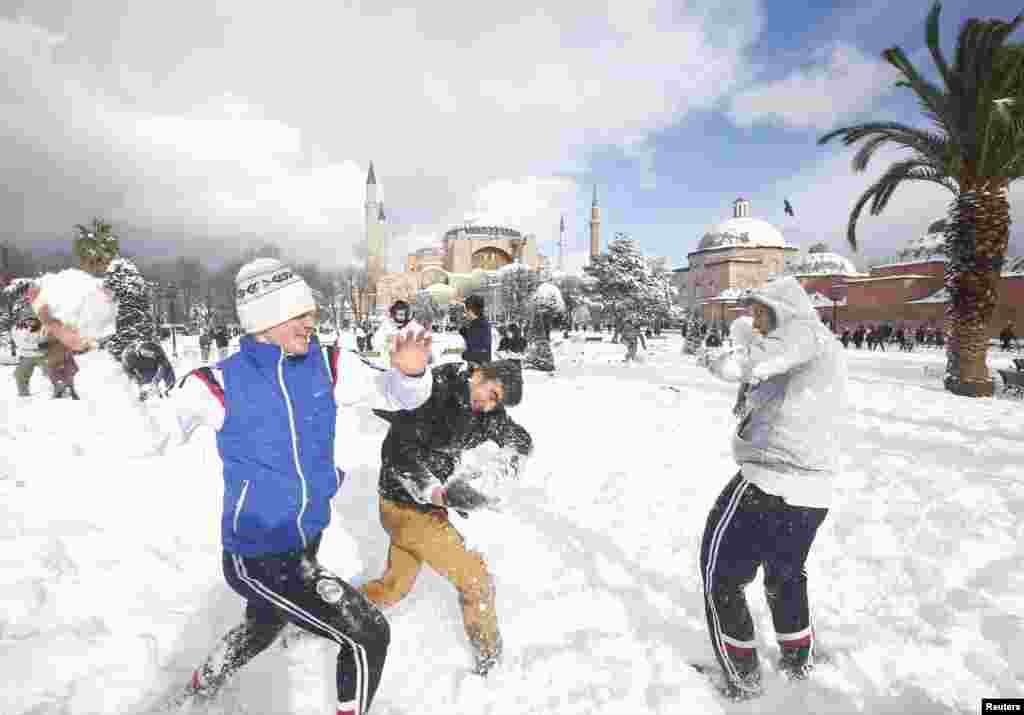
x=418, y=458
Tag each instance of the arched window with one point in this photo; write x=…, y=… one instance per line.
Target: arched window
x=491, y=258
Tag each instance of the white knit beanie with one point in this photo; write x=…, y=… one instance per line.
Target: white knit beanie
x=267, y=293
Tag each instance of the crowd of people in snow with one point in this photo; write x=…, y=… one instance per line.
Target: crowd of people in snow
x=272, y=405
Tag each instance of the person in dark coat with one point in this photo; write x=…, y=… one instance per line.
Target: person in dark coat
x=1008, y=337
x=476, y=332
x=221, y=340
x=858, y=336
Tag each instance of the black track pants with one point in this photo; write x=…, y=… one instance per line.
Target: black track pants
x=295, y=587
x=746, y=529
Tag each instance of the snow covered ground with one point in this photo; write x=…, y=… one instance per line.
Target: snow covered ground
x=110, y=585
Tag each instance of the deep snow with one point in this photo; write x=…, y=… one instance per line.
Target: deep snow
x=110, y=586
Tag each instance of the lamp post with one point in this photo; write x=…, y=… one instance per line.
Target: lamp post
x=836, y=292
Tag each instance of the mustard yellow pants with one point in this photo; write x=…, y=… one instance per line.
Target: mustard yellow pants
x=419, y=537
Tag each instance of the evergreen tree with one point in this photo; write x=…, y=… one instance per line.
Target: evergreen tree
x=425, y=309
x=624, y=282
x=95, y=246
x=134, y=311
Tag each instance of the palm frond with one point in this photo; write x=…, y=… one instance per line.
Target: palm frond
x=879, y=193
x=932, y=40
x=928, y=93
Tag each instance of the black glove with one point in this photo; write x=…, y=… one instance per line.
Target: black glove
x=459, y=495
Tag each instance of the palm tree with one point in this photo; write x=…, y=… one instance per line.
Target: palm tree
x=975, y=149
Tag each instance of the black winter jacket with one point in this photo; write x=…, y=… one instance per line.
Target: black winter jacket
x=428, y=442
x=477, y=334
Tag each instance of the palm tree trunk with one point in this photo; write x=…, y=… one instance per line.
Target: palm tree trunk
x=976, y=241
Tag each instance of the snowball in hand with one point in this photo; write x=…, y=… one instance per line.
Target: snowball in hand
x=79, y=301
x=742, y=331
x=459, y=495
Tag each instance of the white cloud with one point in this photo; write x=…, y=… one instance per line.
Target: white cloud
x=842, y=82
x=246, y=118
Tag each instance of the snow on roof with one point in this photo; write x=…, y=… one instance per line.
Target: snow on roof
x=821, y=263
x=742, y=231
x=818, y=300
x=939, y=296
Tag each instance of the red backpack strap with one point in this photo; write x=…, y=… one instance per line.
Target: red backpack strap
x=331, y=355
x=206, y=375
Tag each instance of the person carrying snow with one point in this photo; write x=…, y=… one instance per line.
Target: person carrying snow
x=631, y=335
x=419, y=482
x=792, y=395
x=30, y=340
x=399, y=315
x=273, y=405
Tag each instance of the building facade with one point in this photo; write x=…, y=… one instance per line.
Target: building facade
x=739, y=253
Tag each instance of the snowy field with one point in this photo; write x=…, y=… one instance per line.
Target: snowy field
x=111, y=592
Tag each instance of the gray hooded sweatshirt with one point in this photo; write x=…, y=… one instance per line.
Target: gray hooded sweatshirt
x=787, y=442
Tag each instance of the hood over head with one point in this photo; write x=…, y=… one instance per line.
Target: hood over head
x=786, y=298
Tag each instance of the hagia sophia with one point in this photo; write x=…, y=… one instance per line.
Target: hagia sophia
x=739, y=253
x=459, y=262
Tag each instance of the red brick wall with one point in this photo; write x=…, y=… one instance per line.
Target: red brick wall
x=925, y=268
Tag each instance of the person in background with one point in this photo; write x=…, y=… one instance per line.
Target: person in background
x=204, y=345
x=30, y=340
x=221, y=339
x=632, y=335
x=1007, y=336
x=793, y=391
x=476, y=333
x=399, y=315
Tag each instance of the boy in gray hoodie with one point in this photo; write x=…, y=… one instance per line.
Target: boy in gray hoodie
x=792, y=376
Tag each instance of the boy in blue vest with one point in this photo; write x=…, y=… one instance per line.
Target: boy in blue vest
x=273, y=405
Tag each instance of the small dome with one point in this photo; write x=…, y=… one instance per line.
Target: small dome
x=441, y=293
x=823, y=263
x=743, y=231
x=930, y=247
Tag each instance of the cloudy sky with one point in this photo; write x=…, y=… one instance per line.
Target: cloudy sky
x=227, y=121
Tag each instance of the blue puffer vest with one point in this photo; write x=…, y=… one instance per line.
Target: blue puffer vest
x=277, y=445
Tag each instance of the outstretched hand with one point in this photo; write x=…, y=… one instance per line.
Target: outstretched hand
x=412, y=350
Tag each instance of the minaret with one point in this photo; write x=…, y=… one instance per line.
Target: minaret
x=561, y=243
x=595, y=226
x=374, y=239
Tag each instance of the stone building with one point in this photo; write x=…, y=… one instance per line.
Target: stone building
x=739, y=253
x=907, y=289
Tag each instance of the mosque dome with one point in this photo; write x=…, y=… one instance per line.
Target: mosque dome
x=930, y=247
x=820, y=261
x=441, y=293
x=742, y=230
